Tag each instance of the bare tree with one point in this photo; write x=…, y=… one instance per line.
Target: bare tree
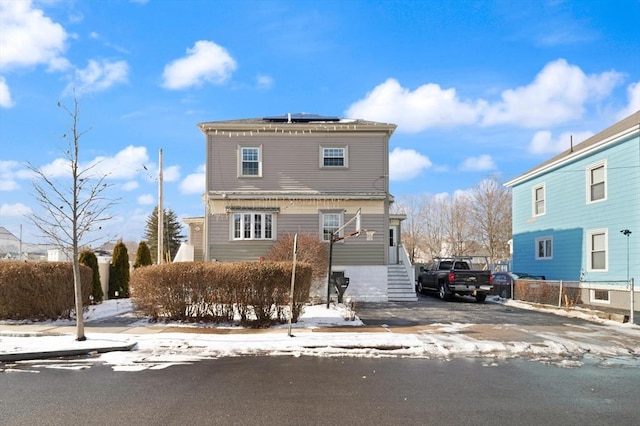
x=491, y=212
x=459, y=224
x=434, y=210
x=413, y=227
x=74, y=204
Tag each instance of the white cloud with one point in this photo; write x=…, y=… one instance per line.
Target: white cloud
x=146, y=199
x=126, y=164
x=8, y=176
x=205, y=62
x=130, y=186
x=5, y=94
x=171, y=173
x=14, y=210
x=558, y=94
x=633, y=96
x=405, y=164
x=264, y=82
x=481, y=163
x=29, y=38
x=427, y=106
x=98, y=76
x=194, y=183
x=543, y=142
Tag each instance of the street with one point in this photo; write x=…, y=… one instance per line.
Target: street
x=318, y=391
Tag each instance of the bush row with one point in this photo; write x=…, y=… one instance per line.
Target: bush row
x=546, y=293
x=40, y=290
x=254, y=293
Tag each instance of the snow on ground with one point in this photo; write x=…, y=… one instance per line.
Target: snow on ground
x=159, y=345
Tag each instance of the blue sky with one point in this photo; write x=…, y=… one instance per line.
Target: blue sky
x=477, y=88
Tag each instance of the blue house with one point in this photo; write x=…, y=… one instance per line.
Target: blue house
x=570, y=214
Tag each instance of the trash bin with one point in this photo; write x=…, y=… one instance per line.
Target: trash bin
x=340, y=282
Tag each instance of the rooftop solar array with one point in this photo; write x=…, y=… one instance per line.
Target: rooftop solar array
x=301, y=117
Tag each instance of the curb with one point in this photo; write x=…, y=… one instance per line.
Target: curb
x=27, y=356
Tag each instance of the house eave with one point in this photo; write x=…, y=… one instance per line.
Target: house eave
x=287, y=196
x=570, y=156
x=240, y=127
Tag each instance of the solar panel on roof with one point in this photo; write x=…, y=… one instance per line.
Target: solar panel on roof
x=300, y=117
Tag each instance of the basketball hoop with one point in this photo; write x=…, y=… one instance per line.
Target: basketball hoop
x=369, y=234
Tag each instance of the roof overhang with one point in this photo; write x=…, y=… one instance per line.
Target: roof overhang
x=577, y=154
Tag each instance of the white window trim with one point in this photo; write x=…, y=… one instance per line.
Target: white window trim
x=240, y=148
x=340, y=223
x=588, y=181
x=548, y=238
x=533, y=200
x=232, y=235
x=593, y=300
x=346, y=156
x=589, y=234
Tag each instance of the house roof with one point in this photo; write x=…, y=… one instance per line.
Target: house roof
x=300, y=122
x=624, y=127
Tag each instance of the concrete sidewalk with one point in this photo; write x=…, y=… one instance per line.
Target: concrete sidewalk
x=108, y=336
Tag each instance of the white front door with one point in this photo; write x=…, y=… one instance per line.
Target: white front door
x=393, y=244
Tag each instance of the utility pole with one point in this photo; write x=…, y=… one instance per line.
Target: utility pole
x=160, y=213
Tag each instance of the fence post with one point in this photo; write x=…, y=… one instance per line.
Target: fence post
x=631, y=319
x=560, y=296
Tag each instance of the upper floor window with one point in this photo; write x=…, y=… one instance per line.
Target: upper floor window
x=250, y=161
x=596, y=182
x=597, y=250
x=253, y=226
x=538, y=195
x=330, y=222
x=544, y=248
x=333, y=157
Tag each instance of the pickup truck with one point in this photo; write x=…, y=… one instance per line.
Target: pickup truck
x=454, y=275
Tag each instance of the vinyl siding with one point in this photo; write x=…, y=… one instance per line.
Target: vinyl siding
x=352, y=251
x=293, y=163
x=569, y=218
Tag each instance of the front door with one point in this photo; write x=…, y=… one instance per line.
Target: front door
x=393, y=244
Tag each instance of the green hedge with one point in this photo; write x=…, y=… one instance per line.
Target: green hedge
x=256, y=292
x=40, y=290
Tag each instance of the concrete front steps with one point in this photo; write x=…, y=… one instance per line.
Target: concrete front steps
x=400, y=288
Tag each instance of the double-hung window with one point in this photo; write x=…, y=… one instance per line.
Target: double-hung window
x=544, y=248
x=538, y=200
x=331, y=222
x=253, y=226
x=333, y=157
x=597, y=250
x=250, y=161
x=596, y=182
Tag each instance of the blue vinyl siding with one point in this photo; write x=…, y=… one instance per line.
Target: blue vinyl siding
x=568, y=217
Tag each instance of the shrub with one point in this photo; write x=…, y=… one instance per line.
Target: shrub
x=546, y=292
x=143, y=255
x=41, y=290
x=255, y=292
x=88, y=258
x=311, y=250
x=119, y=271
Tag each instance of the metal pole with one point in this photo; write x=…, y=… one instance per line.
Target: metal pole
x=329, y=272
x=160, y=213
x=560, y=296
x=631, y=319
x=293, y=280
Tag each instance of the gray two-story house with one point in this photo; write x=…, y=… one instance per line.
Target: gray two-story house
x=273, y=176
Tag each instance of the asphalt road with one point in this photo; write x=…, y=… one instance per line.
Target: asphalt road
x=323, y=391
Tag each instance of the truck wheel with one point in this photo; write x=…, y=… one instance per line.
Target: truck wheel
x=481, y=297
x=442, y=292
x=504, y=294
